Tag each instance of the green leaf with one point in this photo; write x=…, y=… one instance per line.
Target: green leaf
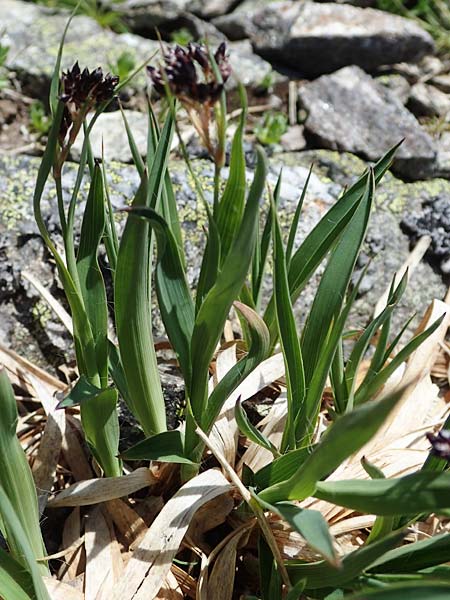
x=281, y=468
x=250, y=431
x=174, y=297
x=164, y=447
x=311, y=525
x=20, y=544
x=323, y=575
x=269, y=575
x=82, y=391
x=257, y=352
x=16, y=482
x=296, y=590
x=89, y=273
x=421, y=492
x=15, y=582
x=137, y=158
x=415, y=590
x=231, y=205
x=216, y=305
x=343, y=438
x=295, y=220
x=133, y=300
x=415, y=557
x=320, y=240
x=210, y=261
x=290, y=343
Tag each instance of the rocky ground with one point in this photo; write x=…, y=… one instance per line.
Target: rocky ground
x=351, y=80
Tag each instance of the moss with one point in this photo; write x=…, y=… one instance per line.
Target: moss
x=42, y=313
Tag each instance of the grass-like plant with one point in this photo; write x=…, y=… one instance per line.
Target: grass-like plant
x=300, y=468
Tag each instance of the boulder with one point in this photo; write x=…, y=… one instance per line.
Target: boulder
x=33, y=35
x=428, y=101
x=350, y=111
x=314, y=38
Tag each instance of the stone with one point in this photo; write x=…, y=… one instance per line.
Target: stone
x=33, y=34
x=27, y=325
x=109, y=136
x=294, y=139
x=443, y=155
x=249, y=68
x=397, y=84
x=314, y=38
x=238, y=25
x=428, y=101
x=442, y=82
x=349, y=111
x=207, y=9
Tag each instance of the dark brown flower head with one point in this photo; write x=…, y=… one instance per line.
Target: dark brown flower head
x=440, y=443
x=190, y=74
x=92, y=87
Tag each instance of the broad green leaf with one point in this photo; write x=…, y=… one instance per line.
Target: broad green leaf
x=415, y=557
x=164, y=447
x=82, y=391
x=323, y=575
x=15, y=582
x=231, y=205
x=311, y=525
x=133, y=300
x=250, y=431
x=90, y=277
x=334, y=282
x=259, y=347
x=344, y=437
x=415, y=590
x=16, y=481
x=296, y=590
x=20, y=544
x=101, y=428
x=421, y=492
x=269, y=575
x=174, y=297
x=290, y=343
x=317, y=244
x=281, y=468
x=216, y=305
x=210, y=262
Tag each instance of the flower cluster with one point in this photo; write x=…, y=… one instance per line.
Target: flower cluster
x=191, y=77
x=83, y=91
x=440, y=443
x=190, y=74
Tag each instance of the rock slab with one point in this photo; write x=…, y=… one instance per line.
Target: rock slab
x=314, y=38
x=349, y=111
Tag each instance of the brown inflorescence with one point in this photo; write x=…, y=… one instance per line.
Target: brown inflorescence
x=440, y=443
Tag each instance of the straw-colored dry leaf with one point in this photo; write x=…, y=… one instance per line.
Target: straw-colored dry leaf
x=74, y=559
x=186, y=582
x=210, y=515
x=61, y=591
x=221, y=577
x=170, y=589
x=225, y=429
x=93, y=491
x=99, y=543
x=129, y=524
x=73, y=451
x=47, y=458
x=151, y=561
x=272, y=427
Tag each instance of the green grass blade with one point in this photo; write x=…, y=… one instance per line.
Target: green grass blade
x=231, y=205
x=164, y=447
x=323, y=575
x=251, y=432
x=16, y=480
x=137, y=158
x=210, y=261
x=18, y=538
x=89, y=274
x=295, y=220
x=415, y=590
x=348, y=434
x=259, y=347
x=415, y=557
x=216, y=305
x=311, y=525
x=15, y=582
x=281, y=468
x=174, y=297
x=319, y=241
x=290, y=343
x=133, y=321
x=421, y=492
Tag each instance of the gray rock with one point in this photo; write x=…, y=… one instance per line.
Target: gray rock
x=34, y=33
x=314, y=38
x=109, y=136
x=397, y=84
x=207, y=9
x=350, y=111
x=428, y=101
x=28, y=325
x=443, y=155
x=294, y=139
x=249, y=68
x=442, y=82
